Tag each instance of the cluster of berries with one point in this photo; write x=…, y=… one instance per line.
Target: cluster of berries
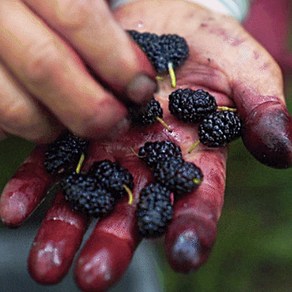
x=95, y=192
x=173, y=176
x=218, y=126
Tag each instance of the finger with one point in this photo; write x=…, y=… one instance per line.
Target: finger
x=25, y=190
x=56, y=242
x=267, y=124
x=91, y=29
x=192, y=231
x=20, y=115
x=54, y=74
x=110, y=248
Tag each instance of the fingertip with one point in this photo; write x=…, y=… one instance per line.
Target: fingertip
x=188, y=242
x=102, y=262
x=141, y=88
x=267, y=134
x=56, y=243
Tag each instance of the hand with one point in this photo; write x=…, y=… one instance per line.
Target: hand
x=46, y=86
x=225, y=61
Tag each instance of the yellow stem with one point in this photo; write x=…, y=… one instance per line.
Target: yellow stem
x=164, y=124
x=226, y=108
x=80, y=162
x=130, y=195
x=172, y=75
x=193, y=146
x=134, y=152
x=159, y=78
x=197, y=181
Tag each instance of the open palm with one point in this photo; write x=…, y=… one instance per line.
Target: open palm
x=225, y=61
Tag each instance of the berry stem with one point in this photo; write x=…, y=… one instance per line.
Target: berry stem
x=197, y=181
x=193, y=146
x=80, y=163
x=130, y=194
x=226, y=108
x=164, y=124
x=159, y=78
x=172, y=75
x=134, y=152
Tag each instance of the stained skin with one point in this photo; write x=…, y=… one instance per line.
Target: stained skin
x=245, y=77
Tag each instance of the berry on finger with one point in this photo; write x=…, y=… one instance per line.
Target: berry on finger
x=154, y=210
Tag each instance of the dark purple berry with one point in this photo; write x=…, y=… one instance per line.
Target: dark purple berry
x=112, y=176
x=86, y=196
x=146, y=115
x=219, y=128
x=154, y=152
x=154, y=210
x=179, y=176
x=162, y=50
x=191, y=105
x=62, y=155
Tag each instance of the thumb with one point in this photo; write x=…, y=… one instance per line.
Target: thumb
x=258, y=95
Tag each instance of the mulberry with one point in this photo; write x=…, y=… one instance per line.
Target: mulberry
x=219, y=128
x=154, y=210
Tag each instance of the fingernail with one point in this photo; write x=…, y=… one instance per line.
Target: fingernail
x=141, y=88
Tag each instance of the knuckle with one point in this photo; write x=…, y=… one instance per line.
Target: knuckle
x=42, y=61
x=72, y=14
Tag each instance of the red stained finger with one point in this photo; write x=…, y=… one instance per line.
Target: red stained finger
x=25, y=190
x=267, y=130
x=108, y=252
x=110, y=248
x=192, y=232
x=53, y=73
x=92, y=30
x=56, y=242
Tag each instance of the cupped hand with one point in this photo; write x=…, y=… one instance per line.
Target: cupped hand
x=225, y=61
x=47, y=49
